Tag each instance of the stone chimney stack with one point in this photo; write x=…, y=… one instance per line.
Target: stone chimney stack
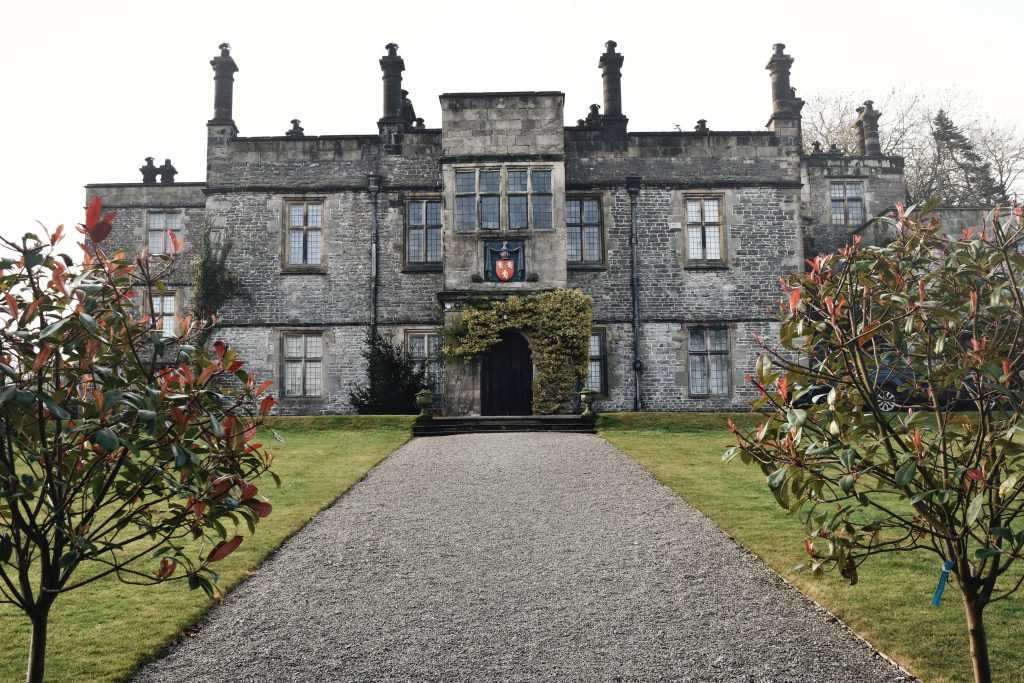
x=868, y=143
x=224, y=69
x=392, y=66
x=786, y=106
x=613, y=123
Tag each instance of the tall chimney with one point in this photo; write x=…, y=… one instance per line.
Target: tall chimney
x=613, y=123
x=786, y=106
x=392, y=66
x=867, y=124
x=224, y=69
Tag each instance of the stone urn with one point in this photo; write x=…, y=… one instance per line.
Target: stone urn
x=587, y=397
x=424, y=398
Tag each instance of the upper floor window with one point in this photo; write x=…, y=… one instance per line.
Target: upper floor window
x=305, y=223
x=583, y=230
x=303, y=359
x=704, y=229
x=597, y=364
x=847, y=204
x=423, y=232
x=425, y=349
x=165, y=313
x=708, y=354
x=513, y=198
x=158, y=225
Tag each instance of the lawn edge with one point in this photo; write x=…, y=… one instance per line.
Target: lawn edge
x=194, y=626
x=789, y=584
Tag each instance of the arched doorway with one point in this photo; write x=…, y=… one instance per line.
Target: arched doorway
x=506, y=377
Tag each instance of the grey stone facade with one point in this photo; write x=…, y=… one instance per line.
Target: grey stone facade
x=768, y=203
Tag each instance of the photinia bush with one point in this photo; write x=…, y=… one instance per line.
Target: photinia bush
x=123, y=451
x=941, y=319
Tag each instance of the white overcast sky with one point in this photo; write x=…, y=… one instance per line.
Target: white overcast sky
x=90, y=88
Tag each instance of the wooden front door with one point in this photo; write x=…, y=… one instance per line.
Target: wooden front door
x=506, y=377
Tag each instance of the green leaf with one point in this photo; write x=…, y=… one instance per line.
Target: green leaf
x=796, y=417
x=216, y=428
x=89, y=323
x=906, y=474
x=776, y=478
x=147, y=415
x=974, y=509
x=54, y=329
x=764, y=368
x=1003, y=533
x=6, y=548
x=847, y=483
x=106, y=439
x=67, y=559
x=1004, y=488
x=982, y=553
x=55, y=409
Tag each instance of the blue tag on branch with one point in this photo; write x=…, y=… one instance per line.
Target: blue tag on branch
x=943, y=577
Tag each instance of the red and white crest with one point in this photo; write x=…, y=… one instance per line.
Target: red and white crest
x=505, y=269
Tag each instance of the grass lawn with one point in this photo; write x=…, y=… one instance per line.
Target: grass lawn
x=103, y=631
x=890, y=606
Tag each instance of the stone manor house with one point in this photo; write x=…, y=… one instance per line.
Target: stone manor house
x=679, y=237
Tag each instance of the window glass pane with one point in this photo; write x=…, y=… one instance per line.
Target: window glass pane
x=838, y=212
x=595, y=346
x=710, y=210
x=157, y=240
x=591, y=243
x=465, y=213
x=293, y=378
x=295, y=247
x=712, y=242
x=693, y=211
x=542, y=181
x=434, y=244
x=434, y=213
x=719, y=374
x=433, y=344
x=415, y=213
x=853, y=189
x=313, y=246
x=167, y=303
x=172, y=221
x=837, y=190
x=694, y=243
x=490, y=181
x=465, y=181
x=293, y=346
x=417, y=346
x=698, y=373
x=590, y=211
x=517, y=181
x=517, y=212
x=698, y=340
x=719, y=340
x=296, y=216
x=594, y=375
x=574, y=244
x=312, y=346
x=541, y=210
x=313, y=378
x=490, y=211
x=313, y=215
x=856, y=208
x=415, y=245
x=573, y=211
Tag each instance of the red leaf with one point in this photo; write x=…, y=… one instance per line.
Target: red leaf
x=262, y=509
x=248, y=490
x=220, y=348
x=250, y=432
x=176, y=242
x=223, y=549
x=236, y=365
x=974, y=474
x=794, y=299
x=92, y=214
x=266, y=404
x=57, y=234
x=264, y=387
x=222, y=484
x=12, y=304
x=41, y=358
x=167, y=568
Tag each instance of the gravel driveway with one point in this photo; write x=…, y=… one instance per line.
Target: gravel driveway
x=516, y=557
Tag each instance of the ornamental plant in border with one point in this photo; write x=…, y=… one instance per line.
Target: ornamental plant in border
x=122, y=451
x=947, y=315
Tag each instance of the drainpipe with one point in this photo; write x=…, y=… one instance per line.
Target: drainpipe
x=373, y=183
x=633, y=187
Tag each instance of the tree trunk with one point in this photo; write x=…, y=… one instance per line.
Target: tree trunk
x=37, y=647
x=979, y=644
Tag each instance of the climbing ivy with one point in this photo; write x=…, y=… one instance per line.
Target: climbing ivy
x=558, y=326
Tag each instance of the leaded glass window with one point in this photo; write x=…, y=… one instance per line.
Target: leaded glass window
x=496, y=199
x=158, y=224
x=165, y=314
x=423, y=231
x=847, y=203
x=305, y=224
x=583, y=230
x=708, y=354
x=704, y=229
x=425, y=349
x=540, y=185
x=596, y=364
x=303, y=360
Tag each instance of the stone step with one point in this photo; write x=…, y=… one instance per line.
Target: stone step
x=445, y=426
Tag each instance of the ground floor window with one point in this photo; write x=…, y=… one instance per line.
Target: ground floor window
x=425, y=349
x=165, y=313
x=709, y=362
x=303, y=360
x=597, y=364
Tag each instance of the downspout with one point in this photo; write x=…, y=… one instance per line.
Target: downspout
x=373, y=182
x=633, y=187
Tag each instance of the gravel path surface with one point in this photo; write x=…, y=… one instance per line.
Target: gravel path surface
x=516, y=557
